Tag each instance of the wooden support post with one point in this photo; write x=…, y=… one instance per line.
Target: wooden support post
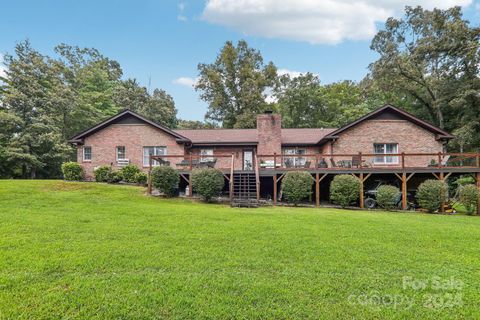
x=231, y=186
x=150, y=174
x=317, y=189
x=442, y=202
x=274, y=189
x=190, y=188
x=478, y=187
x=361, y=191
x=403, y=160
x=404, y=191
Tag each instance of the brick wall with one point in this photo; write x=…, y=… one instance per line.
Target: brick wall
x=134, y=137
x=410, y=138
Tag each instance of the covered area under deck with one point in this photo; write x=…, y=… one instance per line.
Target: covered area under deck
x=406, y=171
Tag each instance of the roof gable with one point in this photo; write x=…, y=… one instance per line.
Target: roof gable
x=126, y=117
x=389, y=112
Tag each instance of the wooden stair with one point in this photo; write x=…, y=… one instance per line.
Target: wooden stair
x=244, y=190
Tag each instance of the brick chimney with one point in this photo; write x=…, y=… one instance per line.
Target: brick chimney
x=269, y=130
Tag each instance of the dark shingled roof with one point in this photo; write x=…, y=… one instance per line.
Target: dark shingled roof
x=296, y=136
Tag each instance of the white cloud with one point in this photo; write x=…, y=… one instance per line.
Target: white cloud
x=181, y=8
x=314, y=21
x=186, y=81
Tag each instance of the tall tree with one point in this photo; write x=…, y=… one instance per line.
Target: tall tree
x=304, y=102
x=235, y=85
x=432, y=58
x=158, y=107
x=35, y=142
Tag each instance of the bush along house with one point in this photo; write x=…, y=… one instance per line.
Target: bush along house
x=387, y=144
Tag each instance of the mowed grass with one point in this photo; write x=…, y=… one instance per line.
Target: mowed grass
x=96, y=251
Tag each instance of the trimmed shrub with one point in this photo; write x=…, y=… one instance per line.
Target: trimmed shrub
x=72, y=171
x=387, y=196
x=101, y=173
x=344, y=190
x=469, y=198
x=430, y=194
x=141, y=178
x=165, y=179
x=208, y=183
x=129, y=172
x=296, y=186
x=114, y=177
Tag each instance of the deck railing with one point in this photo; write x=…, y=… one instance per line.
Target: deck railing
x=348, y=161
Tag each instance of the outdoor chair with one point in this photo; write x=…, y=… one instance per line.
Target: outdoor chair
x=356, y=161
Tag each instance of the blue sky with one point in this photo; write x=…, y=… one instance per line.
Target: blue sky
x=165, y=40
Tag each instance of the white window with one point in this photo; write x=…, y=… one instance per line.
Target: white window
x=206, y=155
x=384, y=149
x=121, y=153
x=87, y=153
x=154, y=151
x=294, y=161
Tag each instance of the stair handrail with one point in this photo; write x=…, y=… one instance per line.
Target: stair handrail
x=257, y=176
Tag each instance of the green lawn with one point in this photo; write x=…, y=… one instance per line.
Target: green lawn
x=85, y=250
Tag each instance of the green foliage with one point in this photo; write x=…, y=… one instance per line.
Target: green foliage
x=464, y=180
x=158, y=106
x=387, y=196
x=431, y=59
x=141, y=178
x=101, y=173
x=72, y=171
x=304, y=102
x=469, y=198
x=208, y=183
x=165, y=179
x=114, y=176
x=344, y=190
x=297, y=185
x=234, y=85
x=430, y=194
x=128, y=173
x=44, y=101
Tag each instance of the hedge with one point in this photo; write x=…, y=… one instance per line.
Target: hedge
x=208, y=183
x=141, y=178
x=344, y=190
x=165, y=179
x=72, y=171
x=129, y=172
x=387, y=196
x=469, y=198
x=296, y=186
x=101, y=173
x=430, y=194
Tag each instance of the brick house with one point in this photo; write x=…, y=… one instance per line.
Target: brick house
x=386, y=139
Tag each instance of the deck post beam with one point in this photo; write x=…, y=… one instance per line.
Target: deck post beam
x=361, y=191
x=190, y=188
x=317, y=189
x=404, y=191
x=150, y=174
x=477, y=176
x=442, y=202
x=274, y=189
